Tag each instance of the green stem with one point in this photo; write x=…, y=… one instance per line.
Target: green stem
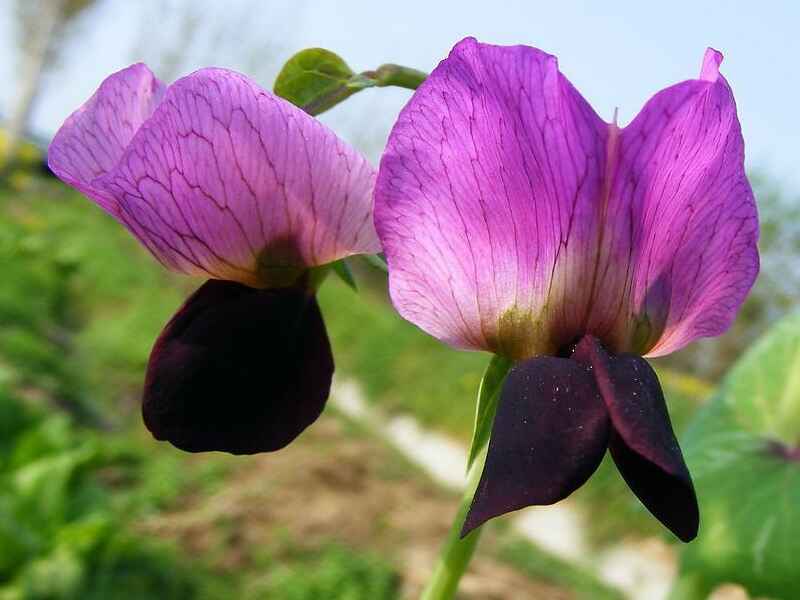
x=396, y=75
x=384, y=76
x=456, y=552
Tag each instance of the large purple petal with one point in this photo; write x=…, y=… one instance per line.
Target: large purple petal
x=226, y=180
x=549, y=435
x=239, y=370
x=681, y=223
x=486, y=201
x=643, y=444
x=93, y=139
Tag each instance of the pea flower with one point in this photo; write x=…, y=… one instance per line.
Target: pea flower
x=515, y=220
x=220, y=179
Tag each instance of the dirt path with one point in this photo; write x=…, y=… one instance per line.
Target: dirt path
x=342, y=486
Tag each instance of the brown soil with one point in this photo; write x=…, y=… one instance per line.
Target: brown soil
x=335, y=486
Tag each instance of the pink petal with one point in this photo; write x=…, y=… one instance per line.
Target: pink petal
x=226, y=180
x=682, y=216
x=93, y=138
x=486, y=199
x=514, y=220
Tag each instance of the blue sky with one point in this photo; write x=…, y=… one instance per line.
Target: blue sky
x=616, y=53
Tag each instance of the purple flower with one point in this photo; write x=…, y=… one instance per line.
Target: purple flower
x=221, y=179
x=517, y=221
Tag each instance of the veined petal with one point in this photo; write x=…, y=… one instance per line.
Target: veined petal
x=92, y=140
x=642, y=442
x=226, y=180
x=681, y=224
x=486, y=201
x=238, y=370
x=549, y=435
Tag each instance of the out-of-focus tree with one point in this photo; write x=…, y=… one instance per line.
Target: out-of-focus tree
x=41, y=25
x=177, y=36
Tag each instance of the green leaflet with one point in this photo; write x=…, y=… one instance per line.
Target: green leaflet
x=342, y=269
x=748, y=488
x=377, y=261
x=316, y=79
x=486, y=407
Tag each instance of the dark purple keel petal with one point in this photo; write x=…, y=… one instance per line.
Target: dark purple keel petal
x=643, y=444
x=238, y=370
x=550, y=434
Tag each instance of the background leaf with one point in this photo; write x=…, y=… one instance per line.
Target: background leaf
x=739, y=452
x=765, y=384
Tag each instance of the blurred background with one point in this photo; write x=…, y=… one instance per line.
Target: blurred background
x=91, y=507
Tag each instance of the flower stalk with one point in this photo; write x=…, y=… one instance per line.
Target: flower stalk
x=395, y=75
x=456, y=552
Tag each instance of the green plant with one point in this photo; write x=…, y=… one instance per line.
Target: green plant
x=335, y=573
x=743, y=451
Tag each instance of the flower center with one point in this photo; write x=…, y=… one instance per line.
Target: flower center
x=280, y=264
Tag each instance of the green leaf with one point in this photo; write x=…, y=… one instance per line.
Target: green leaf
x=342, y=269
x=765, y=384
x=738, y=450
x=377, y=261
x=488, y=396
x=315, y=80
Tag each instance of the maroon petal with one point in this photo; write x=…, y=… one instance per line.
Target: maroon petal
x=550, y=434
x=239, y=370
x=643, y=444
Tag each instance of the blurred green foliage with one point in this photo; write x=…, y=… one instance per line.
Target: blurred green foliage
x=68, y=497
x=80, y=306
x=335, y=573
x=65, y=490
x=64, y=493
